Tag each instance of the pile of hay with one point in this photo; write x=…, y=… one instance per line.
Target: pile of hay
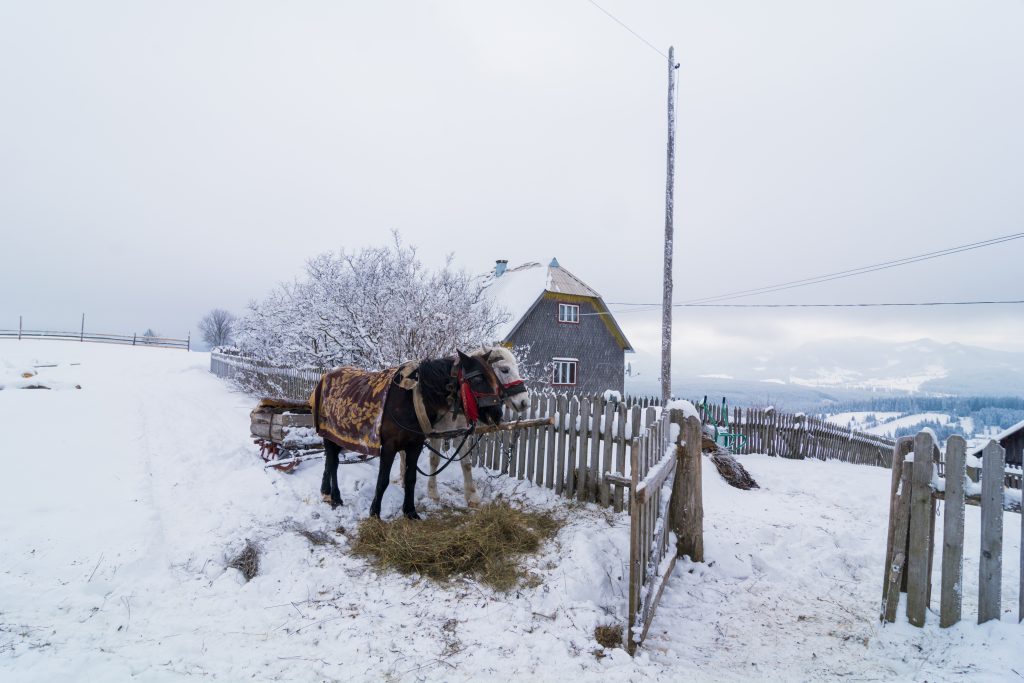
x=247, y=561
x=486, y=543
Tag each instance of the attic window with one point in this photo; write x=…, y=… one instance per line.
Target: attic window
x=568, y=313
x=564, y=372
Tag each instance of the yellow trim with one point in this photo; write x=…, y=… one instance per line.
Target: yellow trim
x=608, y=320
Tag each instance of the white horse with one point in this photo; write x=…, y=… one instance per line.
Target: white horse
x=517, y=399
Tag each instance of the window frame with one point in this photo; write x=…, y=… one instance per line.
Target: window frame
x=568, y=307
x=572, y=371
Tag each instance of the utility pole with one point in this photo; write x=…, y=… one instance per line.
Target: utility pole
x=666, y=301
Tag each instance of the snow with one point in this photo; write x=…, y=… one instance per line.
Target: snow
x=120, y=503
x=1009, y=431
x=689, y=410
x=517, y=290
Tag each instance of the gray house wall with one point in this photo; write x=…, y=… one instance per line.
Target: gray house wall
x=601, y=358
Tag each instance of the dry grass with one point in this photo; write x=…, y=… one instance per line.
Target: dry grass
x=486, y=543
x=247, y=561
x=608, y=635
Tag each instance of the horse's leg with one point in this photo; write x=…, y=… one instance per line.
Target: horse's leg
x=400, y=479
x=435, y=460
x=325, y=483
x=409, y=505
x=329, y=484
x=468, y=487
x=387, y=459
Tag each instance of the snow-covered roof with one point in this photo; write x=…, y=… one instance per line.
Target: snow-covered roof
x=518, y=289
x=976, y=451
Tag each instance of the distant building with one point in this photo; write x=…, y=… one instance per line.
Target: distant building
x=1012, y=440
x=566, y=325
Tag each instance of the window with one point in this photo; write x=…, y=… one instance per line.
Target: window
x=568, y=313
x=564, y=371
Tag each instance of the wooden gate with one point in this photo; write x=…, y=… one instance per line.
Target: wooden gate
x=911, y=541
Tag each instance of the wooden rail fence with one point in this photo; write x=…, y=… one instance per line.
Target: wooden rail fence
x=98, y=337
x=910, y=548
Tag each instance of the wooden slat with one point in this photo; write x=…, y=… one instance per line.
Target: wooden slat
x=901, y=530
x=620, y=452
x=561, y=434
x=594, y=466
x=920, y=524
x=525, y=470
x=572, y=439
x=635, y=571
x=582, y=460
x=990, y=578
x=550, y=445
x=953, y=532
x=903, y=446
x=607, y=454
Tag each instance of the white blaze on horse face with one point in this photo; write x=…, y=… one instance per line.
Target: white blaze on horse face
x=507, y=370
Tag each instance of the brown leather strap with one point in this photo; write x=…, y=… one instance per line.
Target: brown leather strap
x=421, y=410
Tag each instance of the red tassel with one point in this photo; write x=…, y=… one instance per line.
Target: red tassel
x=469, y=403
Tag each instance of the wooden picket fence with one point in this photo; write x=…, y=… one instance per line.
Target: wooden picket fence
x=795, y=435
x=265, y=379
x=910, y=546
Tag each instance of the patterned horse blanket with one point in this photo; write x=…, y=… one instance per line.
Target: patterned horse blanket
x=348, y=405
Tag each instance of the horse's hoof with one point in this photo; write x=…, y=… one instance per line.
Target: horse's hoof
x=412, y=515
x=375, y=512
x=336, y=504
x=473, y=502
x=325, y=497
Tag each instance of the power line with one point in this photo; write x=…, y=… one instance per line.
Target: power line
x=859, y=305
x=817, y=279
x=625, y=26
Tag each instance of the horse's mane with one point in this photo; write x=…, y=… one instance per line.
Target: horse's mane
x=434, y=377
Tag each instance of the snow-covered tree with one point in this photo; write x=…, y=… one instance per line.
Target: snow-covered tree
x=372, y=308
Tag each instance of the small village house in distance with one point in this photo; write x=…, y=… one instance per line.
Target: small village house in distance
x=574, y=341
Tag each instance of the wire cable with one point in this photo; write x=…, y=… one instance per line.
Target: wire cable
x=625, y=26
x=827, y=277
x=982, y=302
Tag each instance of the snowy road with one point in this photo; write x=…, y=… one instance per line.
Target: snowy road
x=120, y=501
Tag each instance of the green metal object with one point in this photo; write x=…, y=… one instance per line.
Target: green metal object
x=723, y=437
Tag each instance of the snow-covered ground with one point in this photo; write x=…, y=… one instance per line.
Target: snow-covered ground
x=121, y=501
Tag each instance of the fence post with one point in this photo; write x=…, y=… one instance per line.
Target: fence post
x=990, y=577
x=950, y=601
x=188, y=341
x=920, y=526
x=19, y=328
x=81, y=336
x=686, y=515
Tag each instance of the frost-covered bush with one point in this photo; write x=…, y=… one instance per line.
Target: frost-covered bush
x=372, y=308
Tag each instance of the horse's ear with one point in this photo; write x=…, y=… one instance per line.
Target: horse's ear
x=463, y=358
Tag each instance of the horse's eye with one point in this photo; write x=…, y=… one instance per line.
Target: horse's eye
x=504, y=370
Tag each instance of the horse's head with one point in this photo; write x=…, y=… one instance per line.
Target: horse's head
x=506, y=368
x=479, y=390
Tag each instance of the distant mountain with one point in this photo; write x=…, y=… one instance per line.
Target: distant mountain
x=824, y=371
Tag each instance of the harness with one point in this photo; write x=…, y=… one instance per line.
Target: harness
x=464, y=399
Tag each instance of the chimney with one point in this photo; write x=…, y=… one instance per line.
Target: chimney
x=500, y=266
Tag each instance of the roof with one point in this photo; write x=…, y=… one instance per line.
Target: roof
x=998, y=438
x=519, y=289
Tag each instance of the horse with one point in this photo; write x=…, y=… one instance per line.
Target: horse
x=446, y=385
x=517, y=399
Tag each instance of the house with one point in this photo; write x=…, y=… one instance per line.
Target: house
x=573, y=339
x=1011, y=439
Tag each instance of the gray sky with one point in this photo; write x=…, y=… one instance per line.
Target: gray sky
x=161, y=159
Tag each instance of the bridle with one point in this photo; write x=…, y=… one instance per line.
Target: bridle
x=472, y=399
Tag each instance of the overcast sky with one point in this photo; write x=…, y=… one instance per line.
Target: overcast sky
x=159, y=159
